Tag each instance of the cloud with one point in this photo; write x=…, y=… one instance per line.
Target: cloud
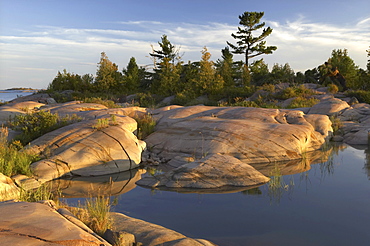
x=301, y=43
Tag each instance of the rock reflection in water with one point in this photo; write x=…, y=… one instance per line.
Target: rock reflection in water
x=299, y=165
x=107, y=185
x=274, y=170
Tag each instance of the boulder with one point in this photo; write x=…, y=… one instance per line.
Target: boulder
x=329, y=107
x=36, y=97
x=150, y=234
x=32, y=224
x=8, y=189
x=356, y=124
x=253, y=135
x=82, y=149
x=211, y=172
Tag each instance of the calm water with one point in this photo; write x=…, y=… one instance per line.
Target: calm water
x=7, y=95
x=327, y=205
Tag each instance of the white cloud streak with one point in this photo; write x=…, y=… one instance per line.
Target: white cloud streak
x=32, y=58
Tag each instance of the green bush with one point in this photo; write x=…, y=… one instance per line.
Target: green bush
x=12, y=159
x=294, y=91
x=145, y=126
x=361, y=95
x=332, y=88
x=34, y=125
x=303, y=102
x=105, y=102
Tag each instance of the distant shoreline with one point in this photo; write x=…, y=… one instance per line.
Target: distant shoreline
x=19, y=90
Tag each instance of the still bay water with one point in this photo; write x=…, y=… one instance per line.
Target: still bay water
x=326, y=205
x=8, y=95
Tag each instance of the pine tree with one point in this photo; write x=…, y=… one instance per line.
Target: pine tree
x=166, y=75
x=226, y=67
x=208, y=81
x=108, y=77
x=132, y=77
x=168, y=50
x=249, y=45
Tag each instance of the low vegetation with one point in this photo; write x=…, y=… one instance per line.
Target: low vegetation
x=34, y=125
x=95, y=213
x=145, y=126
x=12, y=159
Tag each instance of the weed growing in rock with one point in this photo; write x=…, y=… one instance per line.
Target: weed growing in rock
x=44, y=192
x=95, y=213
x=101, y=124
x=336, y=124
x=145, y=126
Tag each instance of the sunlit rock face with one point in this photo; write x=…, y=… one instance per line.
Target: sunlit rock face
x=252, y=135
x=329, y=106
x=211, y=172
x=85, y=149
x=24, y=223
x=8, y=190
x=11, y=110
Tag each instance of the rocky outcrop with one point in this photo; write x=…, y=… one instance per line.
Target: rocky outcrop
x=252, y=135
x=221, y=144
x=215, y=171
x=30, y=224
x=329, y=107
x=8, y=189
x=356, y=124
x=88, y=111
x=11, y=110
x=150, y=234
x=82, y=149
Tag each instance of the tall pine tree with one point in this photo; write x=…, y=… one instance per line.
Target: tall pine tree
x=248, y=44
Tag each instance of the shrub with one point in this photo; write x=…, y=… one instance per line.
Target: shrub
x=105, y=102
x=34, y=125
x=12, y=159
x=361, y=95
x=332, y=88
x=302, y=102
x=145, y=126
x=294, y=91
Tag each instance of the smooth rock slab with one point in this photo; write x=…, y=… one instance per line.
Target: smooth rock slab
x=329, y=106
x=253, y=135
x=211, y=172
x=23, y=223
x=81, y=149
x=150, y=234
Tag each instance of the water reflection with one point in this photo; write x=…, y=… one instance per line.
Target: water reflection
x=105, y=185
x=281, y=182
x=367, y=162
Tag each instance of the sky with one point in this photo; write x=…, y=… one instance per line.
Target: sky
x=38, y=38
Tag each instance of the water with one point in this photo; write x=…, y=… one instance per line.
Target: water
x=8, y=95
x=326, y=205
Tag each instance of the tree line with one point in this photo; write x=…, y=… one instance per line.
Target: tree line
x=223, y=78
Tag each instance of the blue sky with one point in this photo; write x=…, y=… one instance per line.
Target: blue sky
x=41, y=37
